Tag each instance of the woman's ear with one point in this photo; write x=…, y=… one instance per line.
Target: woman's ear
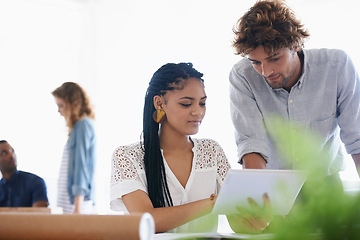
x=158, y=101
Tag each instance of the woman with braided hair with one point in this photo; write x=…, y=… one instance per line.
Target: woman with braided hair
x=168, y=173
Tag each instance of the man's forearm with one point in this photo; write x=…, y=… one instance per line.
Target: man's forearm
x=253, y=161
x=356, y=158
x=40, y=204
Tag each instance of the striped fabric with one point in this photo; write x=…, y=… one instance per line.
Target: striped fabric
x=63, y=199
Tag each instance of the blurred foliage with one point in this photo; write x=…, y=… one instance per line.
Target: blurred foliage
x=323, y=210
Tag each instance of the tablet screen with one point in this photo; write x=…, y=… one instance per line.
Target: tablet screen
x=282, y=187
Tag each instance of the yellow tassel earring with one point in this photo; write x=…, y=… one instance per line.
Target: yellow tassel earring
x=159, y=115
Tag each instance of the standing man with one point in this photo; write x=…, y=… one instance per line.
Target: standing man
x=319, y=89
x=18, y=188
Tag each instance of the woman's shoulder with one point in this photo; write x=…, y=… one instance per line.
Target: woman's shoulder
x=205, y=142
x=209, y=154
x=134, y=147
x=84, y=123
x=84, y=128
x=133, y=152
x=208, y=147
x=127, y=164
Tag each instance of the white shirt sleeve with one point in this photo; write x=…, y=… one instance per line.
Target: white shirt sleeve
x=127, y=174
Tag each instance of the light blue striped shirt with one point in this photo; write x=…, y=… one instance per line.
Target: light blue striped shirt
x=326, y=99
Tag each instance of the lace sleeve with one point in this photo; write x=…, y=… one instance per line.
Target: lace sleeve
x=211, y=154
x=126, y=164
x=223, y=164
x=127, y=174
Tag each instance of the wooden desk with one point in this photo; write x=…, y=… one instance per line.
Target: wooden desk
x=9, y=210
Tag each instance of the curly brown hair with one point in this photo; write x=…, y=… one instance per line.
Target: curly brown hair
x=77, y=103
x=271, y=24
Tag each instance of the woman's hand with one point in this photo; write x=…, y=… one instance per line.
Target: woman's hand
x=251, y=220
x=78, y=202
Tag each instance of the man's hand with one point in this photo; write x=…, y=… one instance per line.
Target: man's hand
x=356, y=158
x=251, y=220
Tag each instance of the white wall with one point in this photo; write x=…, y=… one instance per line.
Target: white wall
x=111, y=48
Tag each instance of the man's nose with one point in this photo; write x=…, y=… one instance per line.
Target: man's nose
x=266, y=70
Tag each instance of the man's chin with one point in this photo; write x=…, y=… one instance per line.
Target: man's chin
x=9, y=170
x=274, y=85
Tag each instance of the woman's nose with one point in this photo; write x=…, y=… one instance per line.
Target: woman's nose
x=198, y=111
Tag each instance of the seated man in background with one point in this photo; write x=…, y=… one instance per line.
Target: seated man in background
x=18, y=188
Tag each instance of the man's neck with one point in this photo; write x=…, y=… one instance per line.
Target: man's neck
x=7, y=175
x=298, y=71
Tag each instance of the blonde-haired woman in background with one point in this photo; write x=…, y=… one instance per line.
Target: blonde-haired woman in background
x=76, y=178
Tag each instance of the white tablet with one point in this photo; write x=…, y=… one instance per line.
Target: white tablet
x=282, y=187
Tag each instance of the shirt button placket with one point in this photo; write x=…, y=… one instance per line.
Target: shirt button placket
x=291, y=118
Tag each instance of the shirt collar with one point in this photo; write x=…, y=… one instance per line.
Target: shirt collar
x=301, y=79
x=12, y=178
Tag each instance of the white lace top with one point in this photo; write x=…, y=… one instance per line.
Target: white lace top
x=209, y=169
